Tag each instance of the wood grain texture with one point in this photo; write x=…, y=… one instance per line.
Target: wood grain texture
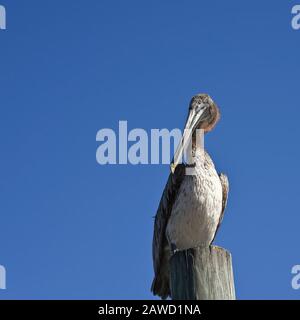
x=202, y=273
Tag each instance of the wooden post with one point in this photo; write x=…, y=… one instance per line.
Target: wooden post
x=202, y=273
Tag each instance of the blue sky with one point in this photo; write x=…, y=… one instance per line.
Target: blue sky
x=72, y=229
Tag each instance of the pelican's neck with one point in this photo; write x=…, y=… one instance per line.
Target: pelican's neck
x=196, y=154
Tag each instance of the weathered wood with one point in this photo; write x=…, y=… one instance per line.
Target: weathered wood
x=202, y=273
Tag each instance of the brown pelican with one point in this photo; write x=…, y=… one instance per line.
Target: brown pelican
x=192, y=206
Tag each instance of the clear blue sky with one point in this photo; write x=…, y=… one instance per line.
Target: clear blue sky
x=70, y=228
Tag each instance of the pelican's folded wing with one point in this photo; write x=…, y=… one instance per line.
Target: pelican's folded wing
x=160, y=248
x=225, y=190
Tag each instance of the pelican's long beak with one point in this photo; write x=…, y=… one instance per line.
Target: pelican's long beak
x=193, y=120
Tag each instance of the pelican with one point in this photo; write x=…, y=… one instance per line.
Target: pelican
x=192, y=207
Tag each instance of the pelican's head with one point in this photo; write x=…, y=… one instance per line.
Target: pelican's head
x=203, y=114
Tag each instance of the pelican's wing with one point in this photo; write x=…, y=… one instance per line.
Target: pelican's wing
x=225, y=190
x=160, y=248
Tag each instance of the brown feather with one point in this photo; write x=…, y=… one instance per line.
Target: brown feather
x=225, y=190
x=160, y=247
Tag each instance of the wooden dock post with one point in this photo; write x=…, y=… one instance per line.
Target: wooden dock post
x=202, y=273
